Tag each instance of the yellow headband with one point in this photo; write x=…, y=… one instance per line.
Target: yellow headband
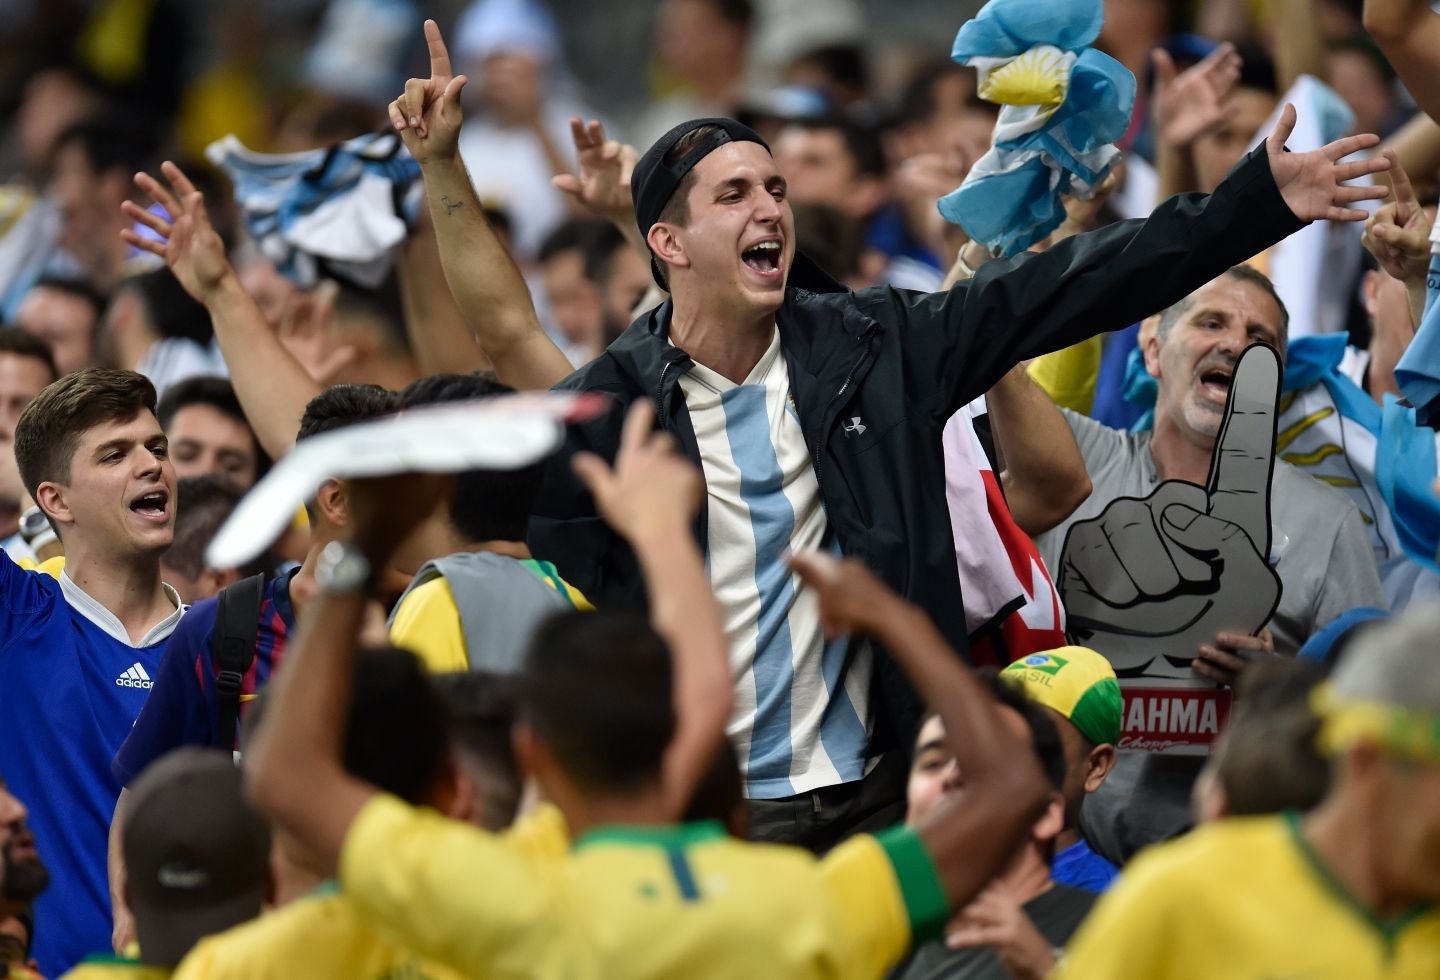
x=1398, y=730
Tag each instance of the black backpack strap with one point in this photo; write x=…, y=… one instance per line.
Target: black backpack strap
x=232, y=645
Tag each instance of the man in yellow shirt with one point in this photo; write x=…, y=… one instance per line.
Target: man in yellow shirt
x=618, y=746
x=477, y=593
x=1347, y=891
x=396, y=738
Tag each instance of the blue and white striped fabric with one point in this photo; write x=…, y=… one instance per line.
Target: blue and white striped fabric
x=337, y=211
x=1062, y=104
x=802, y=713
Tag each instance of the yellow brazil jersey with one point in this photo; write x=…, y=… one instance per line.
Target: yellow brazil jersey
x=319, y=935
x=106, y=966
x=427, y=620
x=639, y=902
x=1245, y=898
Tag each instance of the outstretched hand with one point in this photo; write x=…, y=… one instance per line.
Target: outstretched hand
x=427, y=116
x=188, y=242
x=1189, y=104
x=651, y=488
x=601, y=184
x=1398, y=234
x=1313, y=183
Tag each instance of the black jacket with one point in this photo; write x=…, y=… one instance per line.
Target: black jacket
x=903, y=362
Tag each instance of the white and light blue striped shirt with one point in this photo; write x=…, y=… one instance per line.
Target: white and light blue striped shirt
x=802, y=713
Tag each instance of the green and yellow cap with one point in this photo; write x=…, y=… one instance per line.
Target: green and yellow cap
x=1077, y=682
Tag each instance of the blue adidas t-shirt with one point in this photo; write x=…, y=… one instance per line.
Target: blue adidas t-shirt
x=73, y=687
x=183, y=709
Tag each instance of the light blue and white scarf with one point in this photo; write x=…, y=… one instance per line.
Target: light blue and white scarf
x=338, y=211
x=1061, y=106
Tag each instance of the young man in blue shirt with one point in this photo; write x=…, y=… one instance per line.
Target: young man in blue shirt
x=79, y=651
x=183, y=708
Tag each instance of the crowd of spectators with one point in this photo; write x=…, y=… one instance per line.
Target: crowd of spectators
x=893, y=602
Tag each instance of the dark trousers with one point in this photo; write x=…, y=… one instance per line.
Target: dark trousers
x=824, y=817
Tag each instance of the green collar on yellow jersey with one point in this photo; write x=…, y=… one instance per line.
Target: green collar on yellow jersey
x=1389, y=930
x=666, y=835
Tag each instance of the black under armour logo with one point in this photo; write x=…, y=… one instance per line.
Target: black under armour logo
x=855, y=426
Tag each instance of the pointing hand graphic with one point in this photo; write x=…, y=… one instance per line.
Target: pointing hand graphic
x=1154, y=578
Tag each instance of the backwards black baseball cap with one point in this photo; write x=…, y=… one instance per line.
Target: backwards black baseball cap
x=653, y=184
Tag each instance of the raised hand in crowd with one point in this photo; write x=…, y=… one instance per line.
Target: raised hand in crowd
x=273, y=387
x=601, y=182
x=1313, y=184
x=428, y=115
x=1398, y=235
x=488, y=289
x=188, y=241
x=1188, y=104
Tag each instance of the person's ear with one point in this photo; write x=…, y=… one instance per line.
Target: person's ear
x=1052, y=821
x=331, y=501
x=1150, y=345
x=666, y=245
x=1370, y=291
x=1098, y=765
x=51, y=498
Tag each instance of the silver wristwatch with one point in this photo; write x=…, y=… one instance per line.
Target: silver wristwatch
x=342, y=569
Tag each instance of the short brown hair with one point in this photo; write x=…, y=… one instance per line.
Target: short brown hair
x=49, y=429
x=677, y=209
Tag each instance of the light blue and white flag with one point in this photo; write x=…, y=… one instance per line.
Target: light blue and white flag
x=1062, y=105
x=338, y=211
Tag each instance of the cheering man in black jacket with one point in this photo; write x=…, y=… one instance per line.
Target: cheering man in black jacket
x=815, y=413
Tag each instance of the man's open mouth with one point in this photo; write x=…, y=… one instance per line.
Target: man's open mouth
x=1216, y=382
x=151, y=505
x=763, y=257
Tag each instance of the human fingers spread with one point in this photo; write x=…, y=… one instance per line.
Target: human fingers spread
x=1405, y=201
x=1342, y=148
x=1359, y=168
x=149, y=219
x=158, y=193
x=131, y=237
x=181, y=183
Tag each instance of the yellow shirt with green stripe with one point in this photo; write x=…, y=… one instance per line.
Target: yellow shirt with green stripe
x=1245, y=897
x=427, y=619
x=108, y=966
x=324, y=934
x=319, y=935
x=639, y=902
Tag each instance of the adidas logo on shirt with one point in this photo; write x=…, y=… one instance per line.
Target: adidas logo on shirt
x=135, y=677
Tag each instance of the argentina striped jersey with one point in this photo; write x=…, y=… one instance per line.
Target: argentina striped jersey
x=802, y=712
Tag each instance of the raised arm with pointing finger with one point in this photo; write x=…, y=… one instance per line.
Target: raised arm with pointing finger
x=484, y=280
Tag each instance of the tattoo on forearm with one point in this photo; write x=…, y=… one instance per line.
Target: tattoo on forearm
x=451, y=205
